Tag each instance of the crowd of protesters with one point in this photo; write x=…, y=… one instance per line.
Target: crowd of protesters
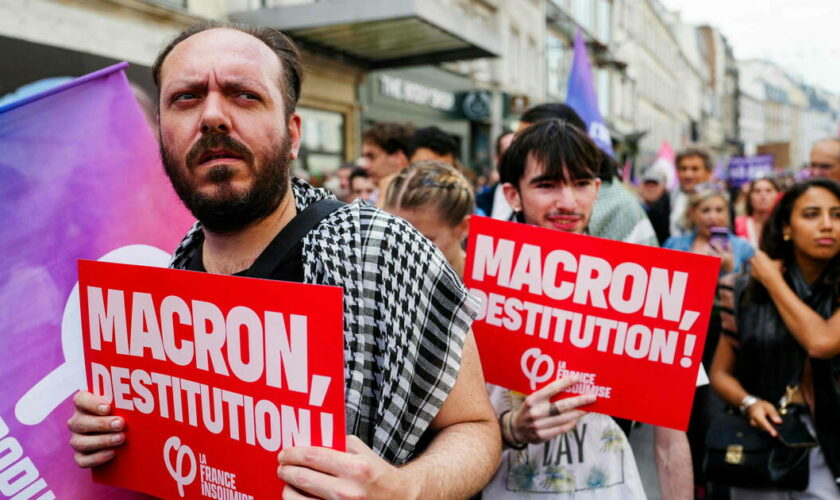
x=744, y=227
x=419, y=177
x=774, y=341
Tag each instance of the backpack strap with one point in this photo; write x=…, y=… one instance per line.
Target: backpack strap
x=290, y=236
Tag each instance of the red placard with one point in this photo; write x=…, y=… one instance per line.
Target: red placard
x=629, y=320
x=213, y=374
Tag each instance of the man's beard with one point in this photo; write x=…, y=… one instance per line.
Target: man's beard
x=228, y=211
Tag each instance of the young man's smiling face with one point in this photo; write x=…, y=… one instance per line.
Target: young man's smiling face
x=551, y=202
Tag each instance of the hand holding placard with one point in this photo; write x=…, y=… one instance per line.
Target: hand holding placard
x=212, y=375
x=539, y=419
x=627, y=321
x=358, y=473
x=95, y=431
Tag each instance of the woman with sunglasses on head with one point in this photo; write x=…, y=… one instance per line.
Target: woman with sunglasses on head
x=784, y=338
x=707, y=215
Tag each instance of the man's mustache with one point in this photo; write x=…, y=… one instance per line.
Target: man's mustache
x=566, y=214
x=209, y=142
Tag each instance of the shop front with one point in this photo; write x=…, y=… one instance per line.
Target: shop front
x=424, y=96
x=329, y=113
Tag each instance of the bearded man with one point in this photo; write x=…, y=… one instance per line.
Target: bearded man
x=228, y=132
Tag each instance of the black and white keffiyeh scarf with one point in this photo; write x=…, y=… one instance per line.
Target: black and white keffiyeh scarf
x=406, y=314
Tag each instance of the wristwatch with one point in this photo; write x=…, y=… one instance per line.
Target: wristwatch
x=748, y=401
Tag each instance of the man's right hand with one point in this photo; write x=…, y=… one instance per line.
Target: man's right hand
x=95, y=433
x=539, y=420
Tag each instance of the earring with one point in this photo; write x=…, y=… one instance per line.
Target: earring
x=786, y=237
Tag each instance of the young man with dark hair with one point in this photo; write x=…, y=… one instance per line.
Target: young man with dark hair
x=432, y=143
x=228, y=134
x=549, y=176
x=361, y=186
x=385, y=151
x=617, y=215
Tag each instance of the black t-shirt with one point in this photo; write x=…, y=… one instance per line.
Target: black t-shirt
x=288, y=268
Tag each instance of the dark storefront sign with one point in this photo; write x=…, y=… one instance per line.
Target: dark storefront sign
x=415, y=93
x=427, y=96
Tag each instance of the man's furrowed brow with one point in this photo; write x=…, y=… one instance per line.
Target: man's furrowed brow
x=187, y=84
x=238, y=83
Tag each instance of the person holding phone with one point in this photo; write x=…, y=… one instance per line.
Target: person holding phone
x=707, y=215
x=782, y=336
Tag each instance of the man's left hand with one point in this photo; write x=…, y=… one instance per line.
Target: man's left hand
x=313, y=472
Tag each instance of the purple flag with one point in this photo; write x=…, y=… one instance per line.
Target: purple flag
x=80, y=177
x=580, y=95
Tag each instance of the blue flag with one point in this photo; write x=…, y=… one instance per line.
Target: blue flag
x=580, y=95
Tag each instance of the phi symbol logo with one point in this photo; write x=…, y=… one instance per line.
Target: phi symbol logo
x=177, y=472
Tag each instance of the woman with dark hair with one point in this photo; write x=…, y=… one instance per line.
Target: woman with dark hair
x=783, y=342
x=761, y=196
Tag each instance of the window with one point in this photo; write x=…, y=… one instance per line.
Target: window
x=514, y=53
x=604, y=21
x=181, y=4
x=322, y=140
x=583, y=12
x=556, y=53
x=603, y=86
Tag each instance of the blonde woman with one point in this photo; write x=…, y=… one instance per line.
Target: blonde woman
x=438, y=201
x=708, y=207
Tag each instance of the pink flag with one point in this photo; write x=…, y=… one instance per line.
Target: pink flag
x=665, y=162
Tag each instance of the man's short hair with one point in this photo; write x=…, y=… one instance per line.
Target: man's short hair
x=565, y=150
x=504, y=133
x=291, y=69
x=556, y=110
x=358, y=172
x=553, y=110
x=391, y=137
x=434, y=139
x=695, y=150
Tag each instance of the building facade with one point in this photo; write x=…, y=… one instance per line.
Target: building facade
x=470, y=67
x=781, y=113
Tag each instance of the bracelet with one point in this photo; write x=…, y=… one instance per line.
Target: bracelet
x=748, y=401
x=507, y=431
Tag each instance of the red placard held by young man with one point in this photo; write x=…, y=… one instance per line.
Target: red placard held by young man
x=628, y=320
x=213, y=374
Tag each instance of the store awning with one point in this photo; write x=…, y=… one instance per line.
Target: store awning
x=381, y=33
